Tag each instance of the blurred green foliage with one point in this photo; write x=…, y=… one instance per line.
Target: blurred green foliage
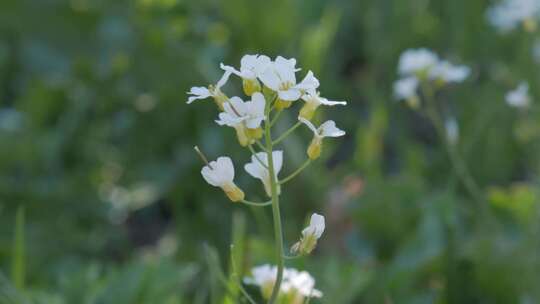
x=101, y=199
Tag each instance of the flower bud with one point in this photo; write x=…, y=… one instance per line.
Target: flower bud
x=530, y=25
x=220, y=98
x=314, y=149
x=251, y=86
x=254, y=133
x=242, y=136
x=308, y=110
x=282, y=104
x=413, y=102
x=234, y=193
x=305, y=245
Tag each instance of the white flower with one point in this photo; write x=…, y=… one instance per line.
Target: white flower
x=236, y=112
x=519, y=97
x=302, y=283
x=211, y=91
x=299, y=284
x=257, y=170
x=310, y=235
x=251, y=66
x=447, y=72
x=316, y=226
x=416, y=61
x=327, y=129
x=280, y=77
x=509, y=14
x=220, y=173
x=406, y=88
x=313, y=101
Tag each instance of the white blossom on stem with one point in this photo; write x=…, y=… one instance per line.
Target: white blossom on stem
x=312, y=101
x=327, y=129
x=213, y=91
x=260, y=171
x=519, y=97
x=310, y=235
x=220, y=173
x=280, y=77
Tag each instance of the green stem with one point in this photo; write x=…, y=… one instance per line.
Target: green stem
x=278, y=234
x=458, y=163
x=256, y=204
x=284, y=135
x=295, y=173
x=274, y=120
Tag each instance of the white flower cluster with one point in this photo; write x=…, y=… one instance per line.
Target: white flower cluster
x=519, y=97
x=262, y=78
x=510, y=14
x=271, y=87
x=419, y=66
x=295, y=288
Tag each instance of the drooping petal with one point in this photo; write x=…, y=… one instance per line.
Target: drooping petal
x=219, y=172
x=228, y=68
x=329, y=129
x=327, y=102
x=308, y=83
x=223, y=79
x=277, y=157
x=198, y=93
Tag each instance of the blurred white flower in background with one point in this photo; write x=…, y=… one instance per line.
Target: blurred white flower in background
x=452, y=130
x=406, y=88
x=447, y=72
x=519, y=97
x=416, y=61
x=509, y=14
x=423, y=68
x=296, y=285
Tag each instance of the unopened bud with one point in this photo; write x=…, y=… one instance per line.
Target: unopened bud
x=251, y=86
x=413, y=102
x=530, y=25
x=305, y=245
x=314, y=149
x=242, y=136
x=308, y=110
x=254, y=133
x=282, y=104
x=234, y=193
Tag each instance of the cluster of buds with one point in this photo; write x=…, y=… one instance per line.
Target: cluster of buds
x=272, y=88
x=422, y=67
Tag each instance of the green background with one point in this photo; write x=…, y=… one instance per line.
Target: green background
x=101, y=197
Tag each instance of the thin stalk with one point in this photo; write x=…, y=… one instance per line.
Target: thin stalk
x=458, y=163
x=274, y=120
x=284, y=135
x=278, y=234
x=256, y=204
x=260, y=145
x=295, y=173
